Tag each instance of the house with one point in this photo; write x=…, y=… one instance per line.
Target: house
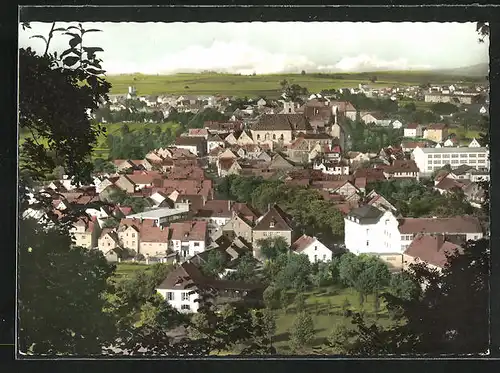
x=281, y=128
x=85, y=233
x=396, y=124
x=180, y=289
x=216, y=213
x=401, y=169
x=409, y=146
x=195, y=145
x=313, y=248
x=431, y=249
x=239, y=226
x=413, y=130
x=475, y=194
x=447, y=185
x=143, y=236
x=370, y=230
x=449, y=142
x=214, y=141
x=223, y=127
x=376, y=200
x=198, y=132
x=331, y=167
x=188, y=238
x=275, y=222
x=261, y=103
x=436, y=132
x=162, y=216
x=114, y=255
x=108, y=240
x=474, y=144
x=372, y=118
x=431, y=159
x=279, y=162
x=466, y=227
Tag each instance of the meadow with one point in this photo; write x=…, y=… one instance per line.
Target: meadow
x=265, y=85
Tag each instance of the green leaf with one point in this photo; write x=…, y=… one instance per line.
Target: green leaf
x=70, y=61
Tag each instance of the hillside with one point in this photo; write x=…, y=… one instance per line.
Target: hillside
x=478, y=70
x=268, y=85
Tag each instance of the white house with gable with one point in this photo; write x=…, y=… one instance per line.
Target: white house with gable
x=313, y=248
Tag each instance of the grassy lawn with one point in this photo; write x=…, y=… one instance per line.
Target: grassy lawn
x=126, y=269
x=317, y=304
x=265, y=85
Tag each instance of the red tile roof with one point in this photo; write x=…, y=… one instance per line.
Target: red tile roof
x=455, y=225
x=432, y=249
x=302, y=243
x=147, y=230
x=189, y=231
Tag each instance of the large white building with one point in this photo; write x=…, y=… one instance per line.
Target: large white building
x=370, y=230
x=431, y=159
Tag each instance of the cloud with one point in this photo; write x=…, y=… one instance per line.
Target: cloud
x=245, y=59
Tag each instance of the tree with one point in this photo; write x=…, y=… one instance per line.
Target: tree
x=295, y=274
x=301, y=332
x=214, y=264
x=75, y=288
x=339, y=340
x=70, y=86
x=271, y=247
x=271, y=297
x=267, y=321
x=300, y=302
x=403, y=286
x=450, y=315
x=246, y=270
x=303, y=72
x=323, y=275
x=284, y=299
x=373, y=79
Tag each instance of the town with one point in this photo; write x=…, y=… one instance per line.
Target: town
x=236, y=182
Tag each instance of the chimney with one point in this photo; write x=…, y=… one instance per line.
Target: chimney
x=440, y=240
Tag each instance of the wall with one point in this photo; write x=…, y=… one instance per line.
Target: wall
x=261, y=136
x=380, y=238
x=189, y=247
x=153, y=248
x=319, y=250
x=130, y=239
x=177, y=301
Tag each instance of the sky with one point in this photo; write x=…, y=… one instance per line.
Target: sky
x=273, y=47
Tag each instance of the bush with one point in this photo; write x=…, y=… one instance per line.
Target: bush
x=271, y=297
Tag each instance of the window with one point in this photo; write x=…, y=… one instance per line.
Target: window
x=481, y=155
x=185, y=307
x=437, y=155
x=473, y=161
x=185, y=296
x=454, y=161
x=289, y=110
x=446, y=156
x=265, y=234
x=133, y=235
x=454, y=156
x=170, y=295
x=476, y=237
x=472, y=155
x=315, y=258
x=367, y=231
x=367, y=243
x=274, y=136
x=271, y=224
x=109, y=244
x=196, y=244
x=315, y=248
x=258, y=137
x=324, y=257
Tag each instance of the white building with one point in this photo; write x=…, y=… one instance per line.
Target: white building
x=431, y=159
x=369, y=230
x=161, y=216
x=188, y=238
x=313, y=248
x=332, y=168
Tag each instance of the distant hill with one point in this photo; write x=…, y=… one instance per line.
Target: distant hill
x=478, y=70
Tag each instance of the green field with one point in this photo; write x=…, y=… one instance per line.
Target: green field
x=126, y=269
x=317, y=305
x=264, y=85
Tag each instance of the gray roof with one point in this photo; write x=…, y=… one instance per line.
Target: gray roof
x=463, y=149
x=159, y=213
x=366, y=214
